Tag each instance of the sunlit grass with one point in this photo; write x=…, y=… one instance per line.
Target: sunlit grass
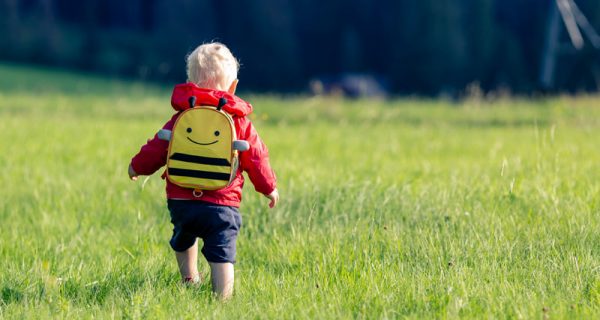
x=401, y=208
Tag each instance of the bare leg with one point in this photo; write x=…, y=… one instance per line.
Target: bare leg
x=221, y=276
x=188, y=263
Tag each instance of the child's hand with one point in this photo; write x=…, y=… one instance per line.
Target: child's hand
x=132, y=174
x=274, y=196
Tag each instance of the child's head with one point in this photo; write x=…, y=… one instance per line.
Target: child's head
x=212, y=66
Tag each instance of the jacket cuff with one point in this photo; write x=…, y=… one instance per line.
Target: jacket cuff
x=135, y=167
x=269, y=190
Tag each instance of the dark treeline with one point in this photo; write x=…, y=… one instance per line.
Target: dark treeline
x=424, y=46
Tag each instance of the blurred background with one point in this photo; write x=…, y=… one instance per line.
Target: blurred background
x=359, y=47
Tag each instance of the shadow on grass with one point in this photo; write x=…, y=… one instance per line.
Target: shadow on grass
x=10, y=295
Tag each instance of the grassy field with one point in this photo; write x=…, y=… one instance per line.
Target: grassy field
x=407, y=208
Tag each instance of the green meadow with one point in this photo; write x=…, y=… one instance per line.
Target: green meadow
x=403, y=208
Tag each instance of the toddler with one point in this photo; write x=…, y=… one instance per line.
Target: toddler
x=212, y=216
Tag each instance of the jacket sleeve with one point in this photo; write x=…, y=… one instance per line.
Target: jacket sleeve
x=153, y=155
x=255, y=161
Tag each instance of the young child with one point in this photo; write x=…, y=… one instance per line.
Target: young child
x=214, y=216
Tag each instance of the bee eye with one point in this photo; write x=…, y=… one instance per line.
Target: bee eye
x=189, y=130
x=217, y=133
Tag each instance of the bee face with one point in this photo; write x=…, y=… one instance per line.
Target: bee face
x=204, y=128
x=216, y=133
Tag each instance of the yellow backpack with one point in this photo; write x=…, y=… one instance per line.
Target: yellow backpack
x=203, y=148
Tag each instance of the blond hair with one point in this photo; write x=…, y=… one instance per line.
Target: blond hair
x=212, y=65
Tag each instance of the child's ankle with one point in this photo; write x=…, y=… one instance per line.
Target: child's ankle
x=192, y=280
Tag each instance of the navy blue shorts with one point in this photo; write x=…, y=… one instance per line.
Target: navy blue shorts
x=216, y=225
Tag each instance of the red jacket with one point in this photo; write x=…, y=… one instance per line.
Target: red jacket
x=255, y=161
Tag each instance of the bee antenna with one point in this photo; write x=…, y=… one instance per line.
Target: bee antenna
x=192, y=101
x=222, y=102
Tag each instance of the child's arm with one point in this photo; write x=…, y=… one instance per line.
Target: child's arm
x=255, y=162
x=152, y=156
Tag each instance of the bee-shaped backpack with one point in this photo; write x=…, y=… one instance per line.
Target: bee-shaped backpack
x=203, y=148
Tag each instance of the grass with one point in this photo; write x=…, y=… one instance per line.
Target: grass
x=407, y=208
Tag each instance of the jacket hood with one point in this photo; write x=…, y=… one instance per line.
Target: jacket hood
x=182, y=92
